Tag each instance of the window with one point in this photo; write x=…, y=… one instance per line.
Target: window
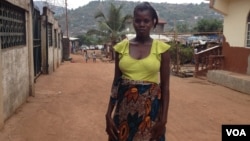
x=50, y=41
x=55, y=38
x=59, y=40
x=248, y=31
x=12, y=25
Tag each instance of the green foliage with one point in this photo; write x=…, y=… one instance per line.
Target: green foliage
x=82, y=19
x=111, y=26
x=185, y=53
x=182, y=28
x=209, y=25
x=88, y=39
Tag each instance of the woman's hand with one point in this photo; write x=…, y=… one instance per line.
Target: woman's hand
x=157, y=131
x=111, y=129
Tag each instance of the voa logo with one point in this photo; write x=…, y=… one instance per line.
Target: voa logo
x=236, y=132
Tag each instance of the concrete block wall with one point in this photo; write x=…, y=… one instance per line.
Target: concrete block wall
x=235, y=81
x=16, y=69
x=15, y=79
x=1, y=93
x=17, y=66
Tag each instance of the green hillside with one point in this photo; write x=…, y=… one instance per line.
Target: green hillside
x=82, y=19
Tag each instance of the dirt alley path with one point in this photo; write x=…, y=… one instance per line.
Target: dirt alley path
x=70, y=105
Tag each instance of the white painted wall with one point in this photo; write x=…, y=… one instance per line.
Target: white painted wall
x=235, y=20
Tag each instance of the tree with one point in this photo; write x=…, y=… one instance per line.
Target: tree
x=111, y=26
x=182, y=28
x=88, y=39
x=208, y=25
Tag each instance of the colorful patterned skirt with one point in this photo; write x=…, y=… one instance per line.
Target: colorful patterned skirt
x=138, y=106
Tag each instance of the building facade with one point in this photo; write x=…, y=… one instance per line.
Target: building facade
x=235, y=72
x=236, y=30
x=24, y=47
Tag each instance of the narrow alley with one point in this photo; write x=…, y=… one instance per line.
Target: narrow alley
x=70, y=105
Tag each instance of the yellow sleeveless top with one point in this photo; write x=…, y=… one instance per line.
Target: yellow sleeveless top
x=145, y=69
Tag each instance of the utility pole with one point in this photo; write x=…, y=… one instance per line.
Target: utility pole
x=66, y=16
x=177, y=49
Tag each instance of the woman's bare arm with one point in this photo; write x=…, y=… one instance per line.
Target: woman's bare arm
x=117, y=75
x=164, y=82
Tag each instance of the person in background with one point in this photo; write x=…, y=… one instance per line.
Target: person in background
x=83, y=51
x=139, y=102
x=94, y=57
x=86, y=57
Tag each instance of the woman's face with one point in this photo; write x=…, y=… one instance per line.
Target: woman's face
x=143, y=23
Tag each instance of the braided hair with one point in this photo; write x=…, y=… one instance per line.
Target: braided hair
x=146, y=6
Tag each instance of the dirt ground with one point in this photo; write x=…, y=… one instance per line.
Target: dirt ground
x=70, y=105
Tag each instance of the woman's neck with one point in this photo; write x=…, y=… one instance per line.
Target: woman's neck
x=143, y=39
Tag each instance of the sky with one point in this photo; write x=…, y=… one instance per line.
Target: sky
x=73, y=4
